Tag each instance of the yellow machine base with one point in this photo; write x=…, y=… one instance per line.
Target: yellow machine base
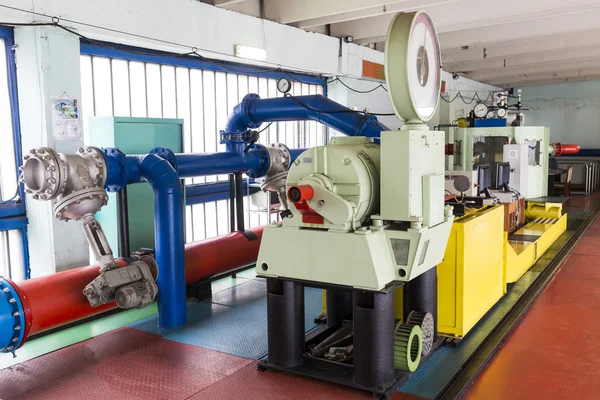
x=538, y=235
x=471, y=277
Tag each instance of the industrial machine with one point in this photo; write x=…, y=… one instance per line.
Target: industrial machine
x=364, y=218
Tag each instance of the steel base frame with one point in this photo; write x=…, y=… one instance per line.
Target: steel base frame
x=372, y=315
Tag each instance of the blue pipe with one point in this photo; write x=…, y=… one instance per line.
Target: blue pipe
x=168, y=233
x=253, y=111
x=193, y=165
x=586, y=153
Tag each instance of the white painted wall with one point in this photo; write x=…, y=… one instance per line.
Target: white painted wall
x=48, y=65
x=570, y=110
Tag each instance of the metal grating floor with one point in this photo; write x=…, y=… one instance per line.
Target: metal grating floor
x=234, y=321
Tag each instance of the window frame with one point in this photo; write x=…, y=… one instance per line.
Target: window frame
x=196, y=193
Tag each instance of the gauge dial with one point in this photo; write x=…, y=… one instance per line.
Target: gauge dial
x=480, y=110
x=413, y=66
x=501, y=112
x=284, y=85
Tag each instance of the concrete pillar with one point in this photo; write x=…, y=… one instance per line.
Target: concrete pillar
x=48, y=66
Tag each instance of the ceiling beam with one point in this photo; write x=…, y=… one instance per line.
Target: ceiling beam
x=290, y=11
x=391, y=7
x=484, y=23
x=550, y=68
x=544, y=79
x=224, y=3
x=579, y=21
x=531, y=59
x=525, y=46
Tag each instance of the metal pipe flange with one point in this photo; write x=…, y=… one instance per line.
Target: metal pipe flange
x=408, y=346
x=12, y=318
x=42, y=171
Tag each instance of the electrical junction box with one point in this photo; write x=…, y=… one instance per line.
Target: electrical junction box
x=465, y=181
x=517, y=156
x=412, y=176
x=133, y=136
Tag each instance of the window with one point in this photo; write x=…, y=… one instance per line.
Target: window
x=14, y=259
x=119, y=83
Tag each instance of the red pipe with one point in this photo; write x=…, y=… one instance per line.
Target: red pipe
x=564, y=149
x=55, y=300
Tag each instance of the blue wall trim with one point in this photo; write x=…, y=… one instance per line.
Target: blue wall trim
x=17, y=208
x=131, y=53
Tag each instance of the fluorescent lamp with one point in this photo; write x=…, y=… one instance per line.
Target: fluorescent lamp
x=252, y=53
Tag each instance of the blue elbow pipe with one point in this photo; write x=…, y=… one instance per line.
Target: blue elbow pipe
x=169, y=238
x=253, y=111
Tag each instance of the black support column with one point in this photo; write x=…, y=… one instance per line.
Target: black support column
x=373, y=339
x=285, y=320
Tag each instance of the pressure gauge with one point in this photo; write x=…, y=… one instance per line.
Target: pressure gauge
x=413, y=66
x=490, y=114
x=501, y=112
x=480, y=110
x=284, y=85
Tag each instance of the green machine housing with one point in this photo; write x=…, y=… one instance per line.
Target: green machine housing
x=480, y=146
x=134, y=136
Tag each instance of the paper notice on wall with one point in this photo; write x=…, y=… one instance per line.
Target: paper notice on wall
x=66, y=124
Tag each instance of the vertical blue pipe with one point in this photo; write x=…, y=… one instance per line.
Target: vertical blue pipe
x=169, y=239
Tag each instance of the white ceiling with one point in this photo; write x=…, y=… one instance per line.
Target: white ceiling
x=501, y=42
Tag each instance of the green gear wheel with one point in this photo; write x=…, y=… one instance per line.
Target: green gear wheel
x=408, y=346
x=425, y=321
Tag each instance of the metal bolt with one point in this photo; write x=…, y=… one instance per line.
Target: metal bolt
x=43, y=197
x=26, y=157
x=12, y=301
x=80, y=150
x=17, y=328
x=5, y=290
x=15, y=340
x=41, y=151
x=99, y=165
x=321, y=203
x=35, y=196
x=51, y=180
x=48, y=191
x=9, y=348
x=46, y=157
x=16, y=314
x=50, y=168
x=88, y=149
x=32, y=151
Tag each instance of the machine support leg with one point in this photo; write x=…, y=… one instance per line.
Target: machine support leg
x=232, y=209
x=339, y=306
x=373, y=339
x=239, y=201
x=420, y=294
x=123, y=223
x=285, y=319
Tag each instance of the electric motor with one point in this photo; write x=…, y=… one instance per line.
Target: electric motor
x=343, y=179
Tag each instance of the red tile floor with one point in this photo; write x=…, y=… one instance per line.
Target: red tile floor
x=554, y=353
x=131, y=364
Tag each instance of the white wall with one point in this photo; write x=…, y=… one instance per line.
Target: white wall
x=570, y=110
x=48, y=65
